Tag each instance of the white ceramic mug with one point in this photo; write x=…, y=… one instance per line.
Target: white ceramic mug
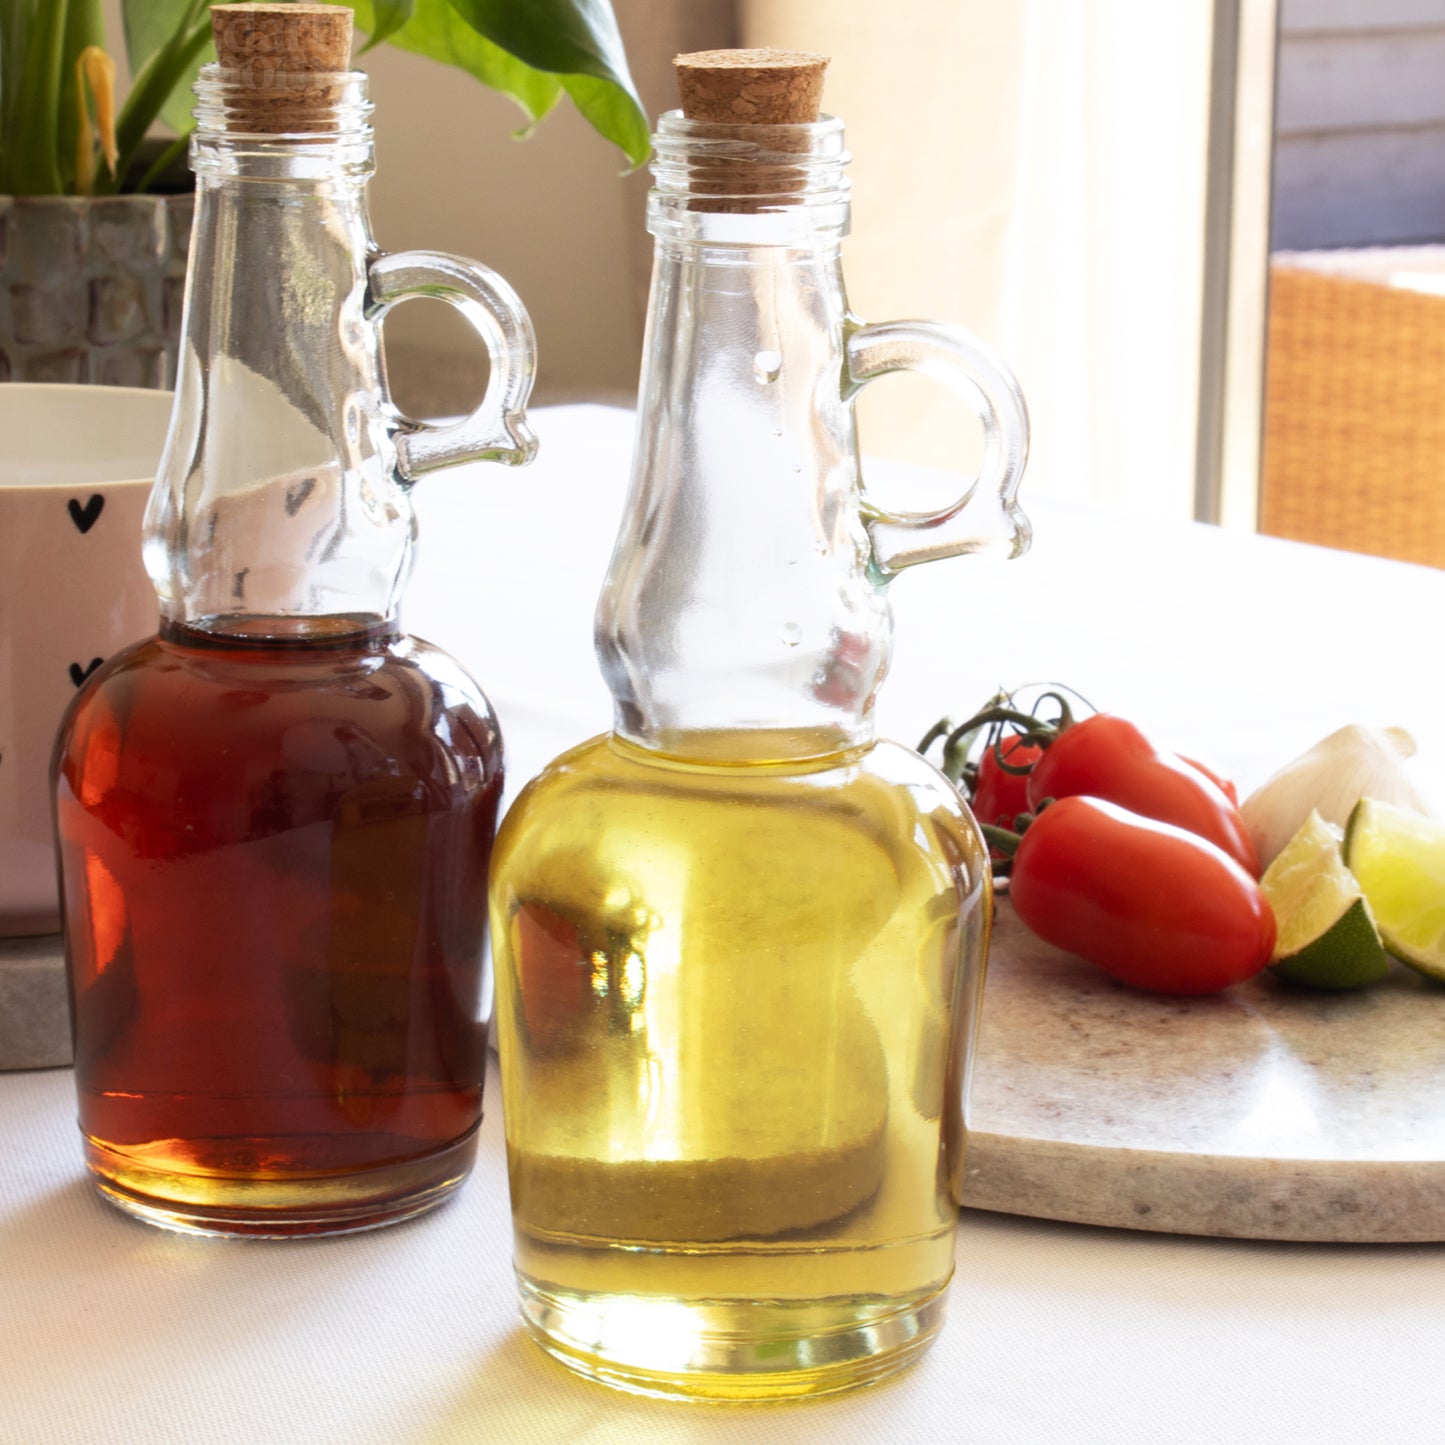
x=76, y=464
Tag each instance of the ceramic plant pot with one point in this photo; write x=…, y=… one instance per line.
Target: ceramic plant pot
x=91, y=288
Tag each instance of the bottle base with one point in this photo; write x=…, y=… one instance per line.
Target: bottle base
x=730, y=1350
x=283, y=1207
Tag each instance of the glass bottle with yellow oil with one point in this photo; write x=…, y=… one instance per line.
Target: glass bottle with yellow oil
x=740, y=941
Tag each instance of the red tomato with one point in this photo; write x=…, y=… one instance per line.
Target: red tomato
x=1000, y=796
x=1108, y=757
x=1151, y=904
x=1215, y=776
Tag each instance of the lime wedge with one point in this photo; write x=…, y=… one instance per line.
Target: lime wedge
x=1326, y=934
x=1398, y=856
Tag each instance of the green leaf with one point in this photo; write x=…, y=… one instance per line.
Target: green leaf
x=170, y=68
x=178, y=105
x=151, y=26
x=531, y=50
x=436, y=31
x=611, y=114
x=31, y=158
x=578, y=41
x=562, y=36
x=388, y=16
x=16, y=23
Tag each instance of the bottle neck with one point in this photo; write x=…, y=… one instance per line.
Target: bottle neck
x=739, y=615
x=276, y=499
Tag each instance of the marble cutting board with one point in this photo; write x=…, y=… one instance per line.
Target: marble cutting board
x=1266, y=1112
x=34, y=1015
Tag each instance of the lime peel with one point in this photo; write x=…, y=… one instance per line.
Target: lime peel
x=1327, y=937
x=1398, y=856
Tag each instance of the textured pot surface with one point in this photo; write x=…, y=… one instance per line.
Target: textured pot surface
x=91, y=289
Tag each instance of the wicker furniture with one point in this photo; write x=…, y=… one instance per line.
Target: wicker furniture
x=1354, y=435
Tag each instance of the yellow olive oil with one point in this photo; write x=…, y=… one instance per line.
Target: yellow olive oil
x=733, y=1007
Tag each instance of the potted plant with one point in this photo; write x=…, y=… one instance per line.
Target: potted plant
x=95, y=206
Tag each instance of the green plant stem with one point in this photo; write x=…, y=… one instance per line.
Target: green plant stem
x=159, y=166
x=33, y=139
x=941, y=728
x=160, y=75
x=1002, y=839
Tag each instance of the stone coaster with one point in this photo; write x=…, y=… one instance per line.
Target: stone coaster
x=1265, y=1112
x=34, y=1013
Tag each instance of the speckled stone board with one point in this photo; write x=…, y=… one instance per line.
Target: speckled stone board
x=1265, y=1112
x=34, y=1015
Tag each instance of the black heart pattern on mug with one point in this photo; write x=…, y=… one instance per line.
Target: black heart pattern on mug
x=296, y=495
x=78, y=674
x=86, y=517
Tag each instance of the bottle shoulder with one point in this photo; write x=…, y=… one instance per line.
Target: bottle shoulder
x=606, y=760
x=218, y=661
x=397, y=701
x=884, y=790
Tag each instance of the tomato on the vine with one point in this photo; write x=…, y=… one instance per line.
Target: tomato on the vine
x=1152, y=904
x=1109, y=757
x=1225, y=785
x=998, y=795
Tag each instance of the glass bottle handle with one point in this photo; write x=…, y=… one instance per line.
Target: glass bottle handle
x=992, y=523
x=497, y=430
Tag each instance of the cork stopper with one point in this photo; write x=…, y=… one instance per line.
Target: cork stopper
x=751, y=87
x=283, y=59
x=758, y=97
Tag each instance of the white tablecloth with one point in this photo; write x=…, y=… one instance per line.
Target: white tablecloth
x=1241, y=648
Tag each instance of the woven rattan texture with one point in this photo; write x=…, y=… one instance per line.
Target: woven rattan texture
x=1354, y=443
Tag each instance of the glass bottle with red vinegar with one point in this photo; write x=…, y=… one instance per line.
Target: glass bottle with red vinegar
x=275, y=815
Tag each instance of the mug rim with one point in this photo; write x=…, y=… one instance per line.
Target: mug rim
x=92, y=391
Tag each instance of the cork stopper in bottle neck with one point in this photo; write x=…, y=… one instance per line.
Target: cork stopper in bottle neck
x=766, y=102
x=285, y=66
x=751, y=87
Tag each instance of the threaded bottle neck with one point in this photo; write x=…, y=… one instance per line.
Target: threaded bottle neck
x=304, y=125
x=753, y=184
